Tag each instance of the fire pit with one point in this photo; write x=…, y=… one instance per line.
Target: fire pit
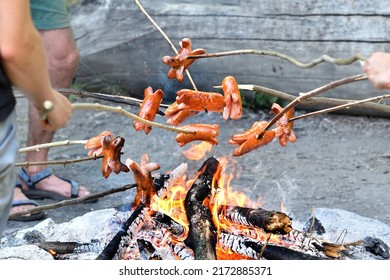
x=198, y=218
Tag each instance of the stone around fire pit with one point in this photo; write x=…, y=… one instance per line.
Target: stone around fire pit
x=98, y=228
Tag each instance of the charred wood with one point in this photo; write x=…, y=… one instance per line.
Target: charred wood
x=202, y=236
x=163, y=182
x=304, y=242
x=183, y=252
x=255, y=249
x=269, y=221
x=377, y=247
x=70, y=247
x=314, y=225
x=129, y=228
x=163, y=220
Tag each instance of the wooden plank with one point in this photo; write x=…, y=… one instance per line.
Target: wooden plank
x=269, y=7
x=119, y=46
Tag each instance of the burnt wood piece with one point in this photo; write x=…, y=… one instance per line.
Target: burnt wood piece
x=163, y=182
x=256, y=250
x=269, y=221
x=377, y=247
x=70, y=247
x=111, y=249
x=303, y=241
x=163, y=220
x=202, y=237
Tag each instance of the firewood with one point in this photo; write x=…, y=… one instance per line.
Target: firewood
x=202, y=237
x=69, y=247
x=163, y=220
x=163, y=182
x=130, y=227
x=256, y=249
x=269, y=221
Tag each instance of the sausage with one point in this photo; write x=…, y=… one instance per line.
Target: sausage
x=179, y=63
x=112, y=149
x=149, y=108
x=233, y=108
x=95, y=144
x=200, y=100
x=203, y=132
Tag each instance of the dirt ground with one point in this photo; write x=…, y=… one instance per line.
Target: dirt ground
x=338, y=161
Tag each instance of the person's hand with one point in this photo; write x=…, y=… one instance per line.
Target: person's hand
x=377, y=67
x=59, y=115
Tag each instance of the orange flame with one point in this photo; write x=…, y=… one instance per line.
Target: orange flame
x=197, y=152
x=221, y=195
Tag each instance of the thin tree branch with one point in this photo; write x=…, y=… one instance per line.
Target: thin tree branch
x=166, y=38
x=120, y=110
x=340, y=107
x=56, y=162
x=38, y=147
x=313, y=101
x=107, y=97
x=70, y=201
x=290, y=59
x=303, y=96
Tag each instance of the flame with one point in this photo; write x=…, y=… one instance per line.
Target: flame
x=222, y=195
x=197, y=152
x=173, y=205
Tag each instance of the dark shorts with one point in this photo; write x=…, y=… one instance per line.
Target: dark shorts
x=49, y=14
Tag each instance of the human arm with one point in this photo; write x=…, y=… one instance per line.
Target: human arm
x=377, y=67
x=23, y=58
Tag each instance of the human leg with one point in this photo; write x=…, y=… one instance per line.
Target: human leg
x=62, y=57
x=52, y=20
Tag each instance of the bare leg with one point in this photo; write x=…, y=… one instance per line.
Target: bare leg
x=62, y=57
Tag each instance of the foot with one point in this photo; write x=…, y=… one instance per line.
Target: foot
x=19, y=195
x=52, y=183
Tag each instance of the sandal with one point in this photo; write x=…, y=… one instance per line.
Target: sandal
x=26, y=218
x=35, y=193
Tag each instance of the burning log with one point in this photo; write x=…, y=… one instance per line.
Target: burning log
x=128, y=231
x=162, y=182
x=269, y=221
x=256, y=250
x=202, y=236
x=302, y=241
x=164, y=221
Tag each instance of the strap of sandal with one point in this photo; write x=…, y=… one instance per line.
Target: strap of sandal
x=24, y=202
x=31, y=180
x=74, y=191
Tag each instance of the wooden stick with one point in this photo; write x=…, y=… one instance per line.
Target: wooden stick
x=340, y=107
x=313, y=101
x=312, y=93
x=107, y=97
x=37, y=148
x=55, y=162
x=47, y=108
x=70, y=201
x=290, y=59
x=120, y=110
x=166, y=38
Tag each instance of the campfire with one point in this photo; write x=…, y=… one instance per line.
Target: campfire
x=202, y=218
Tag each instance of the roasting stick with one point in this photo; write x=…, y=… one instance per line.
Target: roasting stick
x=47, y=108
